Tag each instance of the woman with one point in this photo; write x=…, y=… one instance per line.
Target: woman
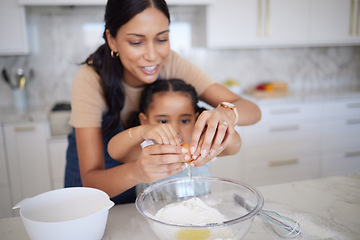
x=108, y=86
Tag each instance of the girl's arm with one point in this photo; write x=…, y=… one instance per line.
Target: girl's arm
x=154, y=162
x=125, y=146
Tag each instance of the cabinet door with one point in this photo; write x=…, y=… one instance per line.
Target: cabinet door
x=57, y=153
x=231, y=23
x=335, y=21
x=246, y=23
x=13, y=38
x=286, y=21
x=26, y=147
x=5, y=197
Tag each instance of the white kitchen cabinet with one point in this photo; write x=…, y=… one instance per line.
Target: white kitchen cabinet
x=284, y=146
x=27, y=157
x=340, y=133
x=103, y=2
x=13, y=40
x=241, y=23
x=57, y=155
x=5, y=196
x=335, y=21
x=297, y=141
x=263, y=23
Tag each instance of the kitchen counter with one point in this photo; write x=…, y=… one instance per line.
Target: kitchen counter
x=327, y=208
x=41, y=112
x=33, y=113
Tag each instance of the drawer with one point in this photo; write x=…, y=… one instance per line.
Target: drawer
x=341, y=108
x=289, y=112
x=266, y=154
x=345, y=162
x=279, y=169
x=340, y=134
x=276, y=133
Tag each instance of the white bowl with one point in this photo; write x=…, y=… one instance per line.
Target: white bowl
x=219, y=194
x=67, y=213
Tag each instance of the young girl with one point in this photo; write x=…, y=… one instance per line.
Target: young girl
x=167, y=114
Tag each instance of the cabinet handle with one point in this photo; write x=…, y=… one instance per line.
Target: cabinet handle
x=267, y=26
x=352, y=12
x=285, y=111
x=259, y=2
x=352, y=154
x=277, y=163
x=353, y=105
x=284, y=128
x=352, y=121
x=24, y=129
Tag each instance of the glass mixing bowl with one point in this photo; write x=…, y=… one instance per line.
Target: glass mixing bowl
x=216, y=193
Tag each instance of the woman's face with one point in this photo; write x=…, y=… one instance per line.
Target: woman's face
x=143, y=46
x=174, y=108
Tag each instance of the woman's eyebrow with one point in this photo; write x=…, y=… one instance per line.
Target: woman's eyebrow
x=141, y=35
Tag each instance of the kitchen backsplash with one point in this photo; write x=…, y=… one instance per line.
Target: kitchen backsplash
x=60, y=38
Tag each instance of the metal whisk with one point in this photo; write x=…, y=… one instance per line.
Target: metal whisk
x=283, y=226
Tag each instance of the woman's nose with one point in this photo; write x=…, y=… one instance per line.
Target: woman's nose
x=150, y=52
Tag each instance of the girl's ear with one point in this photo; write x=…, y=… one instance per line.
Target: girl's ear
x=143, y=118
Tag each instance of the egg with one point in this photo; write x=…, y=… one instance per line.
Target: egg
x=187, y=146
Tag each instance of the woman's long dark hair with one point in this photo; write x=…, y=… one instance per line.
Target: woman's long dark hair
x=117, y=13
x=162, y=85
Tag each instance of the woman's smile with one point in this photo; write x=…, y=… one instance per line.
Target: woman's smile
x=150, y=70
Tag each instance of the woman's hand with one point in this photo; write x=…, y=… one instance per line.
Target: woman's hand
x=212, y=133
x=159, y=161
x=161, y=134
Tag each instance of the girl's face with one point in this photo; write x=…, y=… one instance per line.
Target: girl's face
x=143, y=46
x=174, y=108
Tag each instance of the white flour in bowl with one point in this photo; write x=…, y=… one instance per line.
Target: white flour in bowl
x=190, y=212
x=193, y=211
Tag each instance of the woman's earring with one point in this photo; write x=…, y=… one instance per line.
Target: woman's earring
x=114, y=54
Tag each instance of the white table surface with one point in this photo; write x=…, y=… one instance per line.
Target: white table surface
x=327, y=208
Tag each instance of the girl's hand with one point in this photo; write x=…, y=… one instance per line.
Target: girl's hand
x=159, y=161
x=161, y=134
x=212, y=133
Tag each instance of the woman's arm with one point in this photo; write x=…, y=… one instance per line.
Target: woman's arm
x=249, y=112
x=92, y=164
x=213, y=122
